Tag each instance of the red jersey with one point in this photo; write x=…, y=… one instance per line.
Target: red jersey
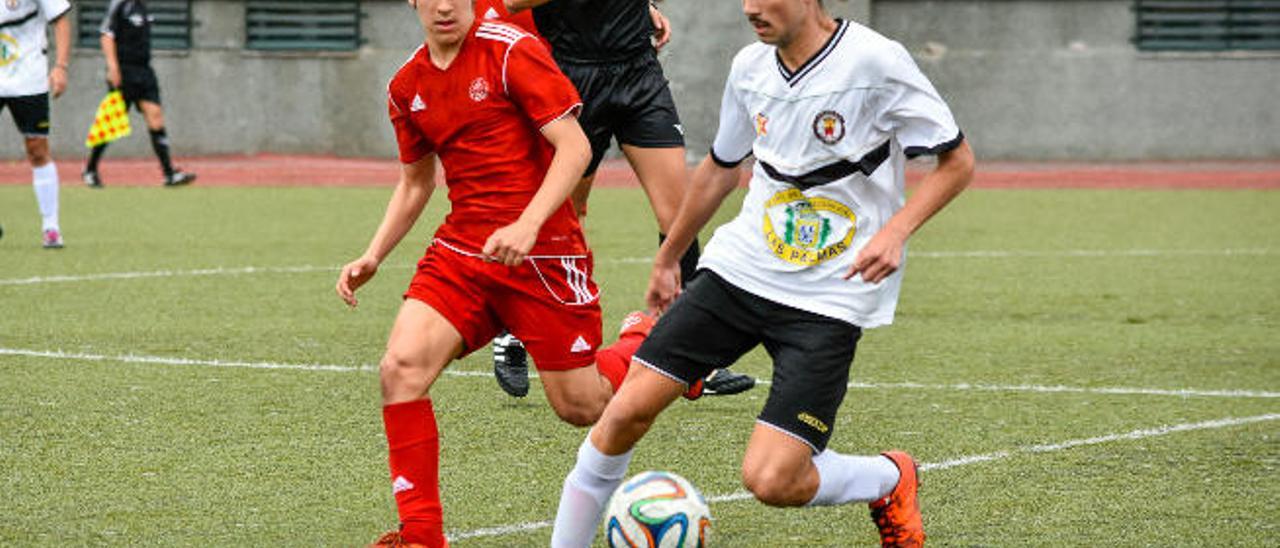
x=496, y=10
x=482, y=116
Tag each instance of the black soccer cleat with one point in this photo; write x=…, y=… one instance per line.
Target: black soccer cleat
x=511, y=365
x=179, y=178
x=723, y=382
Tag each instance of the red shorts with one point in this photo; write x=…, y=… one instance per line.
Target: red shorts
x=550, y=303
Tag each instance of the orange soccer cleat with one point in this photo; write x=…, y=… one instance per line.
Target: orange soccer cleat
x=898, y=515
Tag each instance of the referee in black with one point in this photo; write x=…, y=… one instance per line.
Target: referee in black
x=606, y=48
x=126, y=45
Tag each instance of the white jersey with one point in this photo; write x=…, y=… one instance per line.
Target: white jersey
x=830, y=142
x=24, y=69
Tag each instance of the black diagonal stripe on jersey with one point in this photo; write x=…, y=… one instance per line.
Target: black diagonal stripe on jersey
x=830, y=173
x=20, y=20
x=793, y=77
x=935, y=150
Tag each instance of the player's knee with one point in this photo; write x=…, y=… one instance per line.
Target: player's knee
x=38, y=152
x=401, y=373
x=773, y=486
x=624, y=425
x=579, y=409
x=578, y=415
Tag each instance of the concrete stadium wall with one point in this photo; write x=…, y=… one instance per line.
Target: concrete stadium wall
x=1059, y=79
x=1028, y=79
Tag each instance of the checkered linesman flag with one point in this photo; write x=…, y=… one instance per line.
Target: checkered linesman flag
x=110, y=123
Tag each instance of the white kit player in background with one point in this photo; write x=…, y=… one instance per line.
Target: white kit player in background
x=831, y=110
x=26, y=79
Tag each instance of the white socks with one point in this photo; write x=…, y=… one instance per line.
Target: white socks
x=586, y=492
x=846, y=478
x=45, y=181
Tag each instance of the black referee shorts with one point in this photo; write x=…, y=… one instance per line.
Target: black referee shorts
x=30, y=113
x=713, y=323
x=629, y=100
x=139, y=84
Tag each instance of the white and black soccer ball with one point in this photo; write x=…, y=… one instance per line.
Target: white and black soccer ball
x=657, y=510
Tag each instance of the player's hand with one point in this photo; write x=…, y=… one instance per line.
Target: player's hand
x=880, y=258
x=661, y=28
x=664, y=287
x=58, y=81
x=355, y=274
x=113, y=77
x=510, y=244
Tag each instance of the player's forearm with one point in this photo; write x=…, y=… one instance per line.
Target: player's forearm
x=710, y=185
x=572, y=154
x=62, y=41
x=404, y=208
x=109, y=52
x=939, y=187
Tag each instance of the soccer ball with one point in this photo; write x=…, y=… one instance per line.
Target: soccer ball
x=657, y=510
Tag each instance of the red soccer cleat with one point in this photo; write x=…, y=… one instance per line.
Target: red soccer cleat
x=392, y=539
x=637, y=324
x=898, y=515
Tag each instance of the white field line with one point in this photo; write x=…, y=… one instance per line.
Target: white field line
x=1028, y=388
x=247, y=270
x=220, y=271
x=950, y=463
x=161, y=360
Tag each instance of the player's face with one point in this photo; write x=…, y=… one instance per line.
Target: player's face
x=446, y=21
x=775, y=21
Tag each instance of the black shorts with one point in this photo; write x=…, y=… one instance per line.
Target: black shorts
x=138, y=84
x=629, y=100
x=30, y=113
x=713, y=323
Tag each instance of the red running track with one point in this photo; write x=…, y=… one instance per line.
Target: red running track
x=285, y=170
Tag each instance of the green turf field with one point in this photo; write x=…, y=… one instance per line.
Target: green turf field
x=1071, y=367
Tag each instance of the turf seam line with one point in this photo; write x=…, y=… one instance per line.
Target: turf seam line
x=951, y=463
x=979, y=254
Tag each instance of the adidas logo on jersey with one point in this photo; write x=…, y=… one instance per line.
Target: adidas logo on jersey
x=400, y=484
x=418, y=105
x=580, y=345
x=491, y=14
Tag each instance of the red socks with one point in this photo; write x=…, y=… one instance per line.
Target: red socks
x=414, y=444
x=612, y=363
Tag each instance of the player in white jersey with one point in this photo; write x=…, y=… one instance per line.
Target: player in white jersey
x=25, y=83
x=831, y=110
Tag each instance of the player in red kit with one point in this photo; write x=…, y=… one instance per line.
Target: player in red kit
x=488, y=102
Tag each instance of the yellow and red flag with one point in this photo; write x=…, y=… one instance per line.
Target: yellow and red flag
x=110, y=123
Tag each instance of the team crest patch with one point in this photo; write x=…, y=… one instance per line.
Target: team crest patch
x=807, y=231
x=828, y=127
x=762, y=125
x=479, y=89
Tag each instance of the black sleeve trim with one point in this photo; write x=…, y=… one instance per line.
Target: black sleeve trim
x=726, y=163
x=935, y=150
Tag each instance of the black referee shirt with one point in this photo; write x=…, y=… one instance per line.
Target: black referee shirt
x=595, y=30
x=127, y=21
